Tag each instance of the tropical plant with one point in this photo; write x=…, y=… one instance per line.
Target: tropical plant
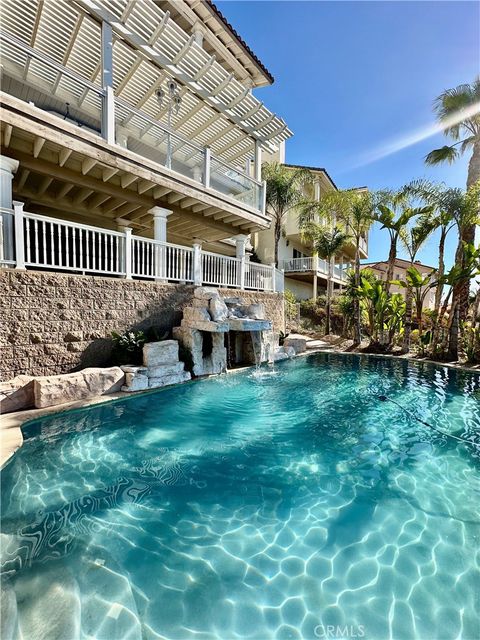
x=127, y=347
x=393, y=212
x=419, y=285
x=458, y=113
x=353, y=209
x=285, y=190
x=412, y=239
x=385, y=311
x=326, y=244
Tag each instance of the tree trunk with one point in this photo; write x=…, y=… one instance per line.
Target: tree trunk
x=467, y=234
x=357, y=329
x=329, y=299
x=408, y=320
x=391, y=262
x=438, y=325
x=276, y=239
x=439, y=287
x=453, y=332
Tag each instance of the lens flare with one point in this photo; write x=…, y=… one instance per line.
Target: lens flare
x=417, y=135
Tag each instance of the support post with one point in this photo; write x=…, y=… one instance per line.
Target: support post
x=19, y=236
x=263, y=202
x=197, y=262
x=160, y=216
x=273, y=277
x=128, y=253
x=207, y=168
x=240, y=242
x=257, y=161
x=8, y=166
x=108, y=100
x=126, y=249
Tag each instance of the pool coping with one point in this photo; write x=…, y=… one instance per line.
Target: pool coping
x=11, y=436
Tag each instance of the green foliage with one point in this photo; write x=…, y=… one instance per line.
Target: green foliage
x=450, y=106
x=127, y=347
x=290, y=305
x=471, y=342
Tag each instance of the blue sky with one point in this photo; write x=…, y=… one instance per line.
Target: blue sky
x=350, y=77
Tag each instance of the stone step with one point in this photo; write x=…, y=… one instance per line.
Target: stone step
x=163, y=381
x=48, y=603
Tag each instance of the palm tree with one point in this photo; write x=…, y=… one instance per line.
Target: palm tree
x=353, y=209
x=412, y=239
x=393, y=212
x=458, y=112
x=285, y=190
x=326, y=244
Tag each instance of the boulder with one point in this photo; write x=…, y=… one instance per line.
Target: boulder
x=206, y=293
x=233, y=301
x=135, y=382
x=197, y=314
x=165, y=370
x=130, y=368
x=16, y=394
x=247, y=324
x=212, y=327
x=255, y=311
x=52, y=390
x=157, y=353
x=218, y=310
x=163, y=381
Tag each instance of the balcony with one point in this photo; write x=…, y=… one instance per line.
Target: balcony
x=51, y=244
x=312, y=265
x=146, y=135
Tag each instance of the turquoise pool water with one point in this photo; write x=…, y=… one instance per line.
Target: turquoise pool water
x=289, y=506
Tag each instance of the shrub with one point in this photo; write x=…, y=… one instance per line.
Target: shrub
x=127, y=347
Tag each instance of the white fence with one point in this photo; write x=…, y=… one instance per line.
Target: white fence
x=53, y=244
x=311, y=264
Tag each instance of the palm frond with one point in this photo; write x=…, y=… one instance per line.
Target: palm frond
x=444, y=154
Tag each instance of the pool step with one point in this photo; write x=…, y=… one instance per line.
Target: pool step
x=47, y=604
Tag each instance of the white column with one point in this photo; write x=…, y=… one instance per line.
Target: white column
x=257, y=161
x=108, y=102
x=197, y=262
x=160, y=216
x=240, y=242
x=8, y=166
x=19, y=235
x=125, y=248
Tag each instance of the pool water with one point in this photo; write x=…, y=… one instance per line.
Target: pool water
x=294, y=505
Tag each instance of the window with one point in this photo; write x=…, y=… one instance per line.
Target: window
x=298, y=254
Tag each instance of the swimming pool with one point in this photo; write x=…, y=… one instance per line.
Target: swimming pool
x=295, y=505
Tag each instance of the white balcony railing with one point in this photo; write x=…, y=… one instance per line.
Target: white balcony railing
x=48, y=243
x=168, y=148
x=312, y=264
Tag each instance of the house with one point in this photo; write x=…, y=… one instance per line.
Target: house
x=306, y=274
x=131, y=147
x=399, y=273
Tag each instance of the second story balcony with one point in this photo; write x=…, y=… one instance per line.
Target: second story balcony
x=129, y=75
x=313, y=265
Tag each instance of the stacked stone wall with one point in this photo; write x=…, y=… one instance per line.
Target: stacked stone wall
x=54, y=323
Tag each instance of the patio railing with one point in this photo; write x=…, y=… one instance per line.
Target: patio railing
x=168, y=148
x=311, y=264
x=49, y=243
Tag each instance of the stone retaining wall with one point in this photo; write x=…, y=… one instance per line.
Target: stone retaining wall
x=54, y=323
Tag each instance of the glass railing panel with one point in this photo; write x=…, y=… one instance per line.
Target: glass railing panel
x=234, y=183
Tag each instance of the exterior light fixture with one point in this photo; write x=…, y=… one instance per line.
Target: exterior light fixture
x=172, y=100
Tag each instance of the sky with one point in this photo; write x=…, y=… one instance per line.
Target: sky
x=354, y=78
